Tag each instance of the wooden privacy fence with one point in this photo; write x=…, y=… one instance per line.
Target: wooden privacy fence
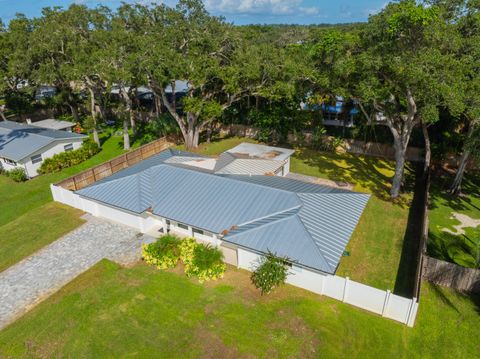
x=352, y=146
x=451, y=275
x=116, y=164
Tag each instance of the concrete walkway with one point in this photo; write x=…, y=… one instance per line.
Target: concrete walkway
x=28, y=282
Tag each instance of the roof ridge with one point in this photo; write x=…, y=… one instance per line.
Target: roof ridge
x=314, y=243
x=270, y=215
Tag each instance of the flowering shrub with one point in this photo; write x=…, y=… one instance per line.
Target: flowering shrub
x=202, y=261
x=164, y=253
x=271, y=273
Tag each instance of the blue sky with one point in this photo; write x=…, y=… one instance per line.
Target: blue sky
x=236, y=11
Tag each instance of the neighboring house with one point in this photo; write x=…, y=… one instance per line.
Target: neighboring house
x=336, y=113
x=45, y=91
x=26, y=146
x=53, y=124
x=245, y=215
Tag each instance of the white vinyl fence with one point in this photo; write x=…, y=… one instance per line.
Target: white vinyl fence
x=374, y=300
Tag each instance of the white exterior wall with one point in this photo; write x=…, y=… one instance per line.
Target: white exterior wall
x=286, y=167
x=8, y=167
x=374, y=300
x=47, y=152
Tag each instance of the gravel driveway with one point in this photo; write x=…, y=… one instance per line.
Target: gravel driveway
x=28, y=282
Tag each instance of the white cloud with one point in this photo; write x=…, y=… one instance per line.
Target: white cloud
x=260, y=7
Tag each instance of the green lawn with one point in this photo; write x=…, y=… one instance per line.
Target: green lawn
x=19, y=198
x=34, y=230
x=463, y=249
x=29, y=220
x=377, y=243
x=114, y=312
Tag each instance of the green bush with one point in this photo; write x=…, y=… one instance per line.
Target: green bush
x=202, y=261
x=164, y=253
x=17, y=174
x=70, y=158
x=271, y=273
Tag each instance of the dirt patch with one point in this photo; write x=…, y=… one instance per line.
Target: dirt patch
x=286, y=319
x=213, y=347
x=465, y=222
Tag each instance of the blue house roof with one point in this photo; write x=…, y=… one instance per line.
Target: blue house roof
x=309, y=223
x=18, y=141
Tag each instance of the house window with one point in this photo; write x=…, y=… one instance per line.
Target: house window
x=197, y=231
x=36, y=158
x=182, y=226
x=10, y=162
x=68, y=147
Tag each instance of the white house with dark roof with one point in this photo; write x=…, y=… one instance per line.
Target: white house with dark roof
x=25, y=146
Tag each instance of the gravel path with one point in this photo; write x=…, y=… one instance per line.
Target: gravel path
x=28, y=282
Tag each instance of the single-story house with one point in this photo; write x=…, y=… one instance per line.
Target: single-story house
x=26, y=146
x=53, y=124
x=245, y=215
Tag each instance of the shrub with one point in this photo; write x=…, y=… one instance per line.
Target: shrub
x=70, y=158
x=271, y=273
x=17, y=174
x=202, y=261
x=164, y=253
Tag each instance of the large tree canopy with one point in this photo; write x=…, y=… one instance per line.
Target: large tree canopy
x=398, y=67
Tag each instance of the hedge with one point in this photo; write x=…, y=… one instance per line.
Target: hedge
x=70, y=158
x=164, y=253
x=17, y=174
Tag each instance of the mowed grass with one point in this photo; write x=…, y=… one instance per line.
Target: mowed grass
x=376, y=246
x=17, y=199
x=34, y=230
x=375, y=249
x=115, y=312
x=29, y=220
x=464, y=248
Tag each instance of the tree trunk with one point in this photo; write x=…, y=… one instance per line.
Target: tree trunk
x=94, y=117
x=400, y=151
x=133, y=122
x=456, y=187
x=428, y=149
x=74, y=111
x=2, y=113
x=126, y=137
x=158, y=105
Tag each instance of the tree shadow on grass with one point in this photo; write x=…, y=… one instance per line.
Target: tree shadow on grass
x=105, y=137
x=407, y=268
x=439, y=195
x=368, y=172
x=439, y=291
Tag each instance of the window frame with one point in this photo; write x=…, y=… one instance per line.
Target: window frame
x=70, y=147
x=34, y=158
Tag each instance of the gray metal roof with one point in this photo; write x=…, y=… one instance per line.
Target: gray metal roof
x=18, y=141
x=309, y=223
x=254, y=150
x=53, y=124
